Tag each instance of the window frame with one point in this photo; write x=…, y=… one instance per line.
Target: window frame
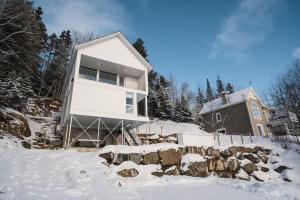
x=84, y=76
x=256, y=113
x=128, y=105
x=222, y=129
x=110, y=74
x=218, y=114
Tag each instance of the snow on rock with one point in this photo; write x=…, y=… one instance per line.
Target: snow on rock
x=139, y=149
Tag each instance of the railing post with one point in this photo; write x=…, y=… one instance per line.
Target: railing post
x=231, y=139
x=98, y=134
x=242, y=139
x=250, y=138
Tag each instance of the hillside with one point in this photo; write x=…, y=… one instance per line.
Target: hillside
x=64, y=174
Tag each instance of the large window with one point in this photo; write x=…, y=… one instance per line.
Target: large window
x=107, y=77
x=255, y=110
x=129, y=102
x=87, y=73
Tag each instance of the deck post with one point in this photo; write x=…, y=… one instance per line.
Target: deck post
x=123, y=140
x=98, y=134
x=66, y=135
x=70, y=128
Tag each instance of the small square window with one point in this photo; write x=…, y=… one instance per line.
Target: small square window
x=218, y=116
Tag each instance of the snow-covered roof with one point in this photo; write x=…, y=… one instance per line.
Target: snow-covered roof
x=234, y=98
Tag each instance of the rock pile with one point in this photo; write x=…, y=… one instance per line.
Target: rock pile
x=235, y=162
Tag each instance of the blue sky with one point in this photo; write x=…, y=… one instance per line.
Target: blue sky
x=239, y=40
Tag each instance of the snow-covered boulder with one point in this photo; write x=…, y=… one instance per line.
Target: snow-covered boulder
x=172, y=171
x=249, y=168
x=194, y=165
x=128, y=172
x=150, y=158
x=169, y=157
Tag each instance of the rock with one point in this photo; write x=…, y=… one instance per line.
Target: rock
x=26, y=144
x=243, y=149
x=267, y=151
x=1, y=137
x=257, y=149
x=264, y=169
x=108, y=157
x=281, y=168
x=121, y=157
x=213, y=152
x=240, y=157
x=223, y=174
x=197, y=169
x=249, y=168
x=136, y=158
x=252, y=157
x=220, y=165
x=182, y=151
x=242, y=175
x=233, y=150
x=128, y=172
x=56, y=143
x=172, y=171
x=225, y=154
x=287, y=179
x=233, y=166
x=211, y=163
x=262, y=157
x=169, y=157
x=150, y=158
x=158, y=174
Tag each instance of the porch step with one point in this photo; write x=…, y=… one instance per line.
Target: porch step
x=131, y=137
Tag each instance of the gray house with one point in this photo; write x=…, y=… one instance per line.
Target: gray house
x=241, y=112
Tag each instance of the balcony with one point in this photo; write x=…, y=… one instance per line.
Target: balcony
x=106, y=72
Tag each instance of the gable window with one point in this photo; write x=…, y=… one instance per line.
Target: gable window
x=219, y=117
x=255, y=110
x=87, y=73
x=106, y=77
x=129, y=102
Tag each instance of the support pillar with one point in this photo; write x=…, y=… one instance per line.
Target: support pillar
x=66, y=135
x=123, y=140
x=98, y=134
x=70, y=128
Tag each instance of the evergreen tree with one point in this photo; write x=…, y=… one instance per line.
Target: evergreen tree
x=59, y=51
x=220, y=86
x=209, y=91
x=186, y=113
x=200, y=100
x=229, y=88
x=139, y=46
x=165, y=104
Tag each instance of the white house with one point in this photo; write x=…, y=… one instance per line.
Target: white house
x=105, y=93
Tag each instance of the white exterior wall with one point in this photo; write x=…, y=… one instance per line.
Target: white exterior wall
x=93, y=98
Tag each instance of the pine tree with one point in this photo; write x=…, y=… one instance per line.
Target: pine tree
x=200, y=100
x=186, y=113
x=220, y=86
x=229, y=88
x=139, y=46
x=209, y=92
x=165, y=104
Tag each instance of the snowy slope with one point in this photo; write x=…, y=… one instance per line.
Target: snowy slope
x=45, y=174
x=169, y=127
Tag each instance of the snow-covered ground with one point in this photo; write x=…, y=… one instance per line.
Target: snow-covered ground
x=169, y=127
x=28, y=174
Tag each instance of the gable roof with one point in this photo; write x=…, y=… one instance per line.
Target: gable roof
x=234, y=98
x=124, y=40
